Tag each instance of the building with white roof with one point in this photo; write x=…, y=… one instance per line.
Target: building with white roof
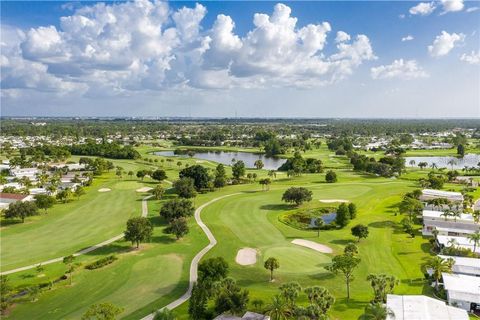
x=460, y=242
x=448, y=225
x=413, y=307
x=430, y=194
x=465, y=265
x=462, y=291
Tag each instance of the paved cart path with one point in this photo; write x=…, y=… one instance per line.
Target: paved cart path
x=84, y=251
x=197, y=258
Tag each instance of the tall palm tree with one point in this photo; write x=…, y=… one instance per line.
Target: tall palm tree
x=476, y=216
x=446, y=213
x=278, y=309
x=475, y=238
x=438, y=266
x=452, y=162
x=377, y=311
x=433, y=166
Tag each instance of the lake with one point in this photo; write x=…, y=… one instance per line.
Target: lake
x=469, y=160
x=225, y=157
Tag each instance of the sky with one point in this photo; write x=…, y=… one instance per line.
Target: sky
x=353, y=59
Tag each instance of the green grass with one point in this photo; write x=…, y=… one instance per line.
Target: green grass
x=142, y=281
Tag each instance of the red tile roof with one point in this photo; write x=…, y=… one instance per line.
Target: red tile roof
x=13, y=196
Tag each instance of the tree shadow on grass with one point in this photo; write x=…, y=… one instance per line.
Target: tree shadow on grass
x=113, y=248
x=277, y=207
x=382, y=224
x=9, y=222
x=322, y=276
x=164, y=239
x=343, y=305
x=342, y=241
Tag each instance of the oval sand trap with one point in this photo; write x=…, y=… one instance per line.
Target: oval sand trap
x=312, y=245
x=246, y=256
x=333, y=200
x=144, y=189
x=104, y=190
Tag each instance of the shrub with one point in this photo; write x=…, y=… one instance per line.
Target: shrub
x=101, y=262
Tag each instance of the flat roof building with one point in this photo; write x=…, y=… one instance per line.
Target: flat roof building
x=413, y=307
x=430, y=194
x=464, y=265
x=462, y=291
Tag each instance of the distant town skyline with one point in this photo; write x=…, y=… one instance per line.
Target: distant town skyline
x=241, y=59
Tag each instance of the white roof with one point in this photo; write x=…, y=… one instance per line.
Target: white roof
x=462, y=287
x=465, y=265
x=442, y=194
x=422, y=308
x=460, y=241
x=467, y=231
x=464, y=217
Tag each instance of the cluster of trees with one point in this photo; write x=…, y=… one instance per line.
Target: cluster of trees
x=385, y=167
x=97, y=165
x=213, y=284
x=345, y=213
x=341, y=145
x=176, y=212
x=297, y=195
x=433, y=181
x=107, y=150
x=297, y=165
x=139, y=229
x=285, y=305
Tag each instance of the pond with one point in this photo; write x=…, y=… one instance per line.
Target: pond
x=469, y=160
x=225, y=157
x=327, y=219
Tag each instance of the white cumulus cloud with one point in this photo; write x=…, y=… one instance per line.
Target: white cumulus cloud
x=128, y=47
x=423, y=8
x=472, y=58
x=444, y=43
x=407, y=38
x=452, y=5
x=401, y=69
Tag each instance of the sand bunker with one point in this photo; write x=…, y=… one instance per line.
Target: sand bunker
x=144, y=189
x=246, y=256
x=313, y=245
x=333, y=200
x=104, y=190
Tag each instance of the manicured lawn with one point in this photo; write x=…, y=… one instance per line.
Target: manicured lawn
x=66, y=228
x=142, y=281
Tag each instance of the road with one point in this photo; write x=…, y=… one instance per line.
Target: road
x=84, y=251
x=196, y=259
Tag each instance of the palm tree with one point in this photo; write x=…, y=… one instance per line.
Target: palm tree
x=452, y=162
x=476, y=216
x=278, y=309
x=165, y=314
x=433, y=166
x=412, y=163
x=446, y=213
x=475, y=238
x=438, y=266
x=452, y=243
x=377, y=311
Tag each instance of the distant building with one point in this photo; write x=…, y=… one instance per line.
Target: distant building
x=413, y=307
x=462, y=291
x=454, y=226
x=247, y=316
x=8, y=198
x=430, y=194
x=464, y=265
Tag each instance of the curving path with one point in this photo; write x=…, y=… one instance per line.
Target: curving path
x=196, y=259
x=84, y=251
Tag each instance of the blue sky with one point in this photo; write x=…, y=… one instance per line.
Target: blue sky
x=180, y=59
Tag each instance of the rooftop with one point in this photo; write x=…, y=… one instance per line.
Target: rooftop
x=464, y=217
x=462, y=287
x=12, y=196
x=465, y=265
x=422, y=308
x=432, y=193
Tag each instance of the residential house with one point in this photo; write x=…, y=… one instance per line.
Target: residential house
x=418, y=307
x=8, y=198
x=462, y=291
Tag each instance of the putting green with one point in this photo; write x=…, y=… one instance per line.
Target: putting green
x=297, y=260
